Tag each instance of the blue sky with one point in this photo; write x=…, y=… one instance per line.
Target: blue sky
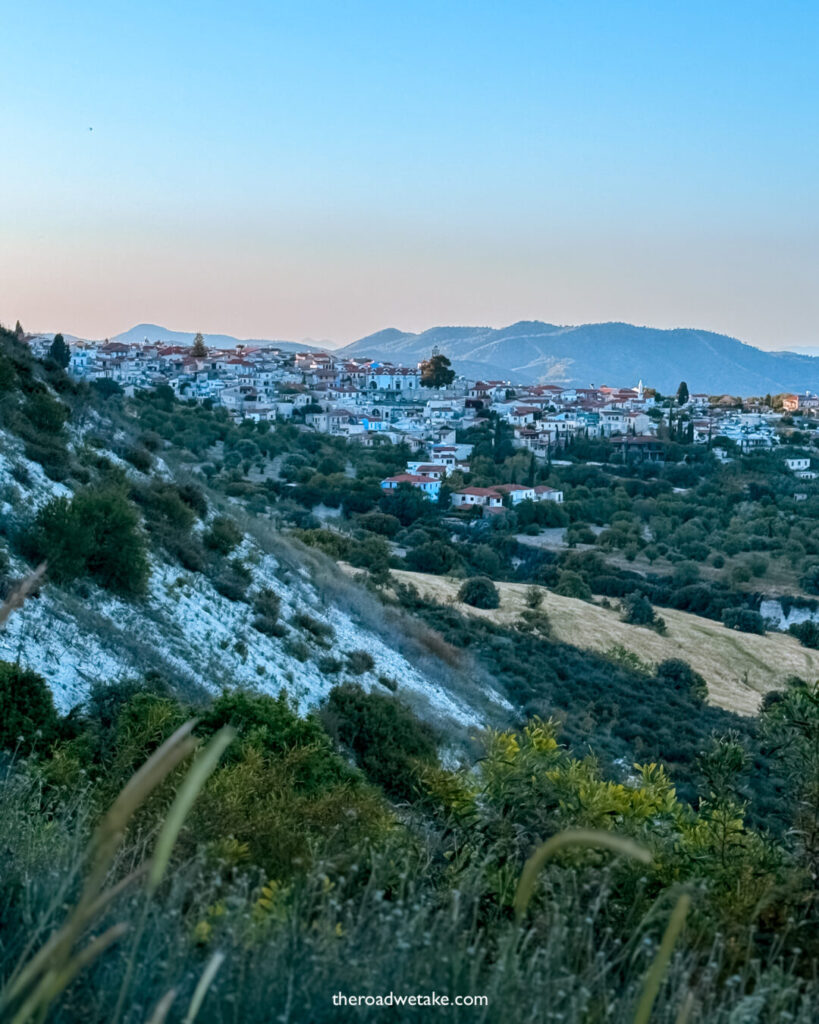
x=327, y=169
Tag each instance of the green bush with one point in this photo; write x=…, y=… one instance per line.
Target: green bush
x=479, y=592
x=810, y=579
x=140, y=458
x=388, y=741
x=28, y=718
x=359, y=662
x=807, y=633
x=232, y=580
x=321, y=632
x=273, y=726
x=572, y=584
x=744, y=619
x=433, y=557
x=638, y=611
x=223, y=535
x=45, y=413
x=95, y=534
x=676, y=674
x=380, y=523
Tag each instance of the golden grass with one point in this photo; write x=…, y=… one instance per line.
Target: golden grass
x=738, y=667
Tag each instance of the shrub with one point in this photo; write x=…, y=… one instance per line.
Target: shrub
x=297, y=649
x=140, y=458
x=479, y=592
x=533, y=597
x=744, y=619
x=638, y=610
x=579, y=533
x=223, y=535
x=484, y=560
x=534, y=621
x=321, y=632
x=95, y=534
x=434, y=557
x=359, y=662
x=807, y=633
x=45, y=413
x=386, y=738
x=380, y=523
x=572, y=584
x=740, y=573
x=810, y=579
x=272, y=725
x=758, y=565
x=267, y=603
x=28, y=717
x=685, y=574
x=676, y=674
x=165, y=511
x=270, y=627
x=232, y=581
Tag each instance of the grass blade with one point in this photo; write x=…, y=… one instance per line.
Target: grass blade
x=163, y=1007
x=571, y=837
x=656, y=973
x=17, y=597
x=193, y=782
x=685, y=1009
x=203, y=985
x=54, y=981
x=56, y=956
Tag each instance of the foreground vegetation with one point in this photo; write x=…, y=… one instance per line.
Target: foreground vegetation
x=336, y=853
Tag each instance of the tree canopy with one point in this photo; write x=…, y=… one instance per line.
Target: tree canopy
x=436, y=372
x=59, y=351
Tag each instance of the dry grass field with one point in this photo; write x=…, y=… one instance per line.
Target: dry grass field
x=739, y=667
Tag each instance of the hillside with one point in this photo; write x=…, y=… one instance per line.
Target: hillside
x=612, y=353
x=200, y=640
x=740, y=668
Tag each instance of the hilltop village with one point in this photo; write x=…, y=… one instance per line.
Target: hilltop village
x=374, y=402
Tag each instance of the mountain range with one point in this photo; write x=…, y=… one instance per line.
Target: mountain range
x=531, y=351
x=597, y=354
x=155, y=332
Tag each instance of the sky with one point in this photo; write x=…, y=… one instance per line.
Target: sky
x=327, y=169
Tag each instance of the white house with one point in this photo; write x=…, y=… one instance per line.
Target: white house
x=393, y=378
x=517, y=492
x=544, y=493
x=797, y=464
x=480, y=497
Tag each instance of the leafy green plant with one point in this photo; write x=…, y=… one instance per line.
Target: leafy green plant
x=479, y=592
x=95, y=533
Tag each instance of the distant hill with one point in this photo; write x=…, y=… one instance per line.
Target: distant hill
x=611, y=353
x=154, y=332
